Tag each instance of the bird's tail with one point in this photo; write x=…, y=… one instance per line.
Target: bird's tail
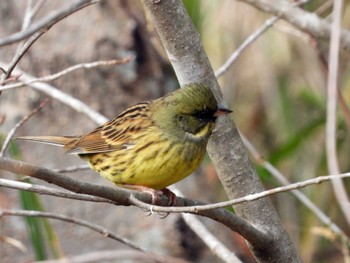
x=52, y=140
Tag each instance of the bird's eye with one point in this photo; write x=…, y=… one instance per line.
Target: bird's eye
x=205, y=115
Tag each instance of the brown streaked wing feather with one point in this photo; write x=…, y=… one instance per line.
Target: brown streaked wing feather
x=53, y=140
x=124, y=128
x=88, y=144
x=114, y=135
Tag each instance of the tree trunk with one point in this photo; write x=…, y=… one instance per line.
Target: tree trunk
x=226, y=150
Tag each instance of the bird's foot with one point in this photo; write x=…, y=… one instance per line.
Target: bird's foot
x=171, y=196
x=154, y=193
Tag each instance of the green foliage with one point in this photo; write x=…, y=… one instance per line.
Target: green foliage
x=193, y=9
x=40, y=231
x=30, y=201
x=296, y=139
x=43, y=237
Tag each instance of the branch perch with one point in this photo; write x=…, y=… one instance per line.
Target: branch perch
x=124, y=197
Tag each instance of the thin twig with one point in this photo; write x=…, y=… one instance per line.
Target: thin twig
x=62, y=97
x=210, y=240
x=13, y=242
x=247, y=42
x=69, y=70
x=105, y=232
x=315, y=43
x=27, y=15
x=305, y=21
x=250, y=40
x=18, y=125
x=20, y=54
x=21, y=50
x=115, y=256
x=31, y=13
x=47, y=21
x=215, y=245
x=37, y=34
x=331, y=123
x=45, y=190
x=247, y=198
x=298, y=194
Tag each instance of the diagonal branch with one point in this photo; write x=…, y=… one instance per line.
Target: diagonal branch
x=298, y=194
x=44, y=190
x=61, y=96
x=250, y=40
x=67, y=71
x=226, y=150
x=117, y=255
x=305, y=21
x=75, y=220
x=47, y=21
x=19, y=54
x=18, y=125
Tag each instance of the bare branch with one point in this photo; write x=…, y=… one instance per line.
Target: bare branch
x=210, y=240
x=105, y=232
x=47, y=21
x=13, y=242
x=69, y=70
x=315, y=43
x=62, y=97
x=120, y=254
x=18, y=125
x=44, y=190
x=301, y=196
x=305, y=21
x=217, y=247
x=31, y=13
x=125, y=197
x=247, y=42
x=244, y=199
x=250, y=40
x=331, y=148
x=37, y=34
x=19, y=54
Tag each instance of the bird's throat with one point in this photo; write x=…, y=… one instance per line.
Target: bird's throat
x=201, y=135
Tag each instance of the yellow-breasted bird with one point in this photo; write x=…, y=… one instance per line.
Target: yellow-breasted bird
x=150, y=145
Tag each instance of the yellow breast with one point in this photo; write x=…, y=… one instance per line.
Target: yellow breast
x=156, y=164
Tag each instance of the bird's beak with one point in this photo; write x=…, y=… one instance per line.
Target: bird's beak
x=222, y=111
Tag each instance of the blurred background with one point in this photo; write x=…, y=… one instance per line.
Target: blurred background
x=277, y=89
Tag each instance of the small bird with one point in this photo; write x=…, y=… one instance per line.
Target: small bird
x=150, y=145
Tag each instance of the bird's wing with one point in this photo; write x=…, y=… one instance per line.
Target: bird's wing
x=52, y=140
x=117, y=134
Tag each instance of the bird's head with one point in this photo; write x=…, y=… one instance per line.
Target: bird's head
x=189, y=113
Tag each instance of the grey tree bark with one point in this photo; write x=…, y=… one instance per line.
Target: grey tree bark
x=226, y=150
